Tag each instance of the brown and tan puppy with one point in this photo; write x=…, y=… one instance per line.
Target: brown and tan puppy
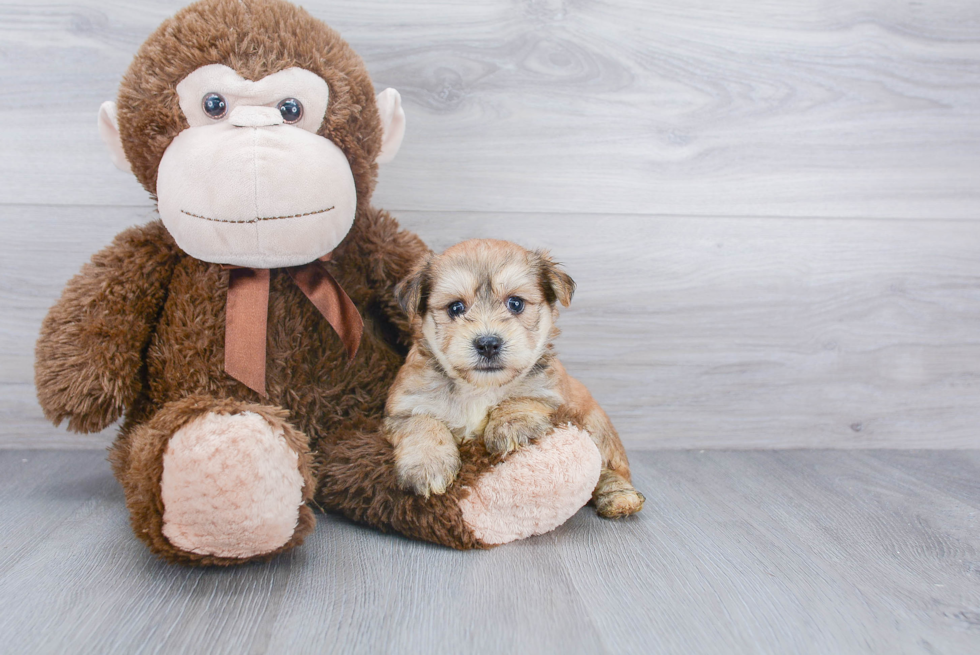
x=482, y=367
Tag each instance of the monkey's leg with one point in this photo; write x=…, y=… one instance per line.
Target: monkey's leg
x=211, y=481
x=493, y=500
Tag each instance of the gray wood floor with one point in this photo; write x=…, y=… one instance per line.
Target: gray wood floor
x=736, y=552
x=772, y=209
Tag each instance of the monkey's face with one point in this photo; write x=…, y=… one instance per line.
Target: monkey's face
x=254, y=162
x=250, y=182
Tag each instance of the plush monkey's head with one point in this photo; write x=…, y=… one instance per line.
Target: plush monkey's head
x=257, y=129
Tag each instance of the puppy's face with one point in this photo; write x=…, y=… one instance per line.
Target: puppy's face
x=486, y=309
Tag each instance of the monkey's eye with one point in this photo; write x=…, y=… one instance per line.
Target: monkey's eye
x=456, y=309
x=214, y=105
x=291, y=110
x=515, y=304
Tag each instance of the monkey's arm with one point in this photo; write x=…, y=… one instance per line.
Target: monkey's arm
x=390, y=253
x=89, y=356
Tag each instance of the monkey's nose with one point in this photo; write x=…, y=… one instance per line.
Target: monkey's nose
x=488, y=345
x=255, y=116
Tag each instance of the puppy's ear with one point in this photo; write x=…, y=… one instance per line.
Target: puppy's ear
x=412, y=293
x=556, y=283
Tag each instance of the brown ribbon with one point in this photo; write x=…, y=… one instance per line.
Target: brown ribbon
x=247, y=316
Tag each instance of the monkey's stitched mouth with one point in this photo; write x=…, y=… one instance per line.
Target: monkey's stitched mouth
x=256, y=219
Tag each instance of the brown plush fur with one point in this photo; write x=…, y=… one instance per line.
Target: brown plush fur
x=90, y=366
x=140, y=331
x=359, y=476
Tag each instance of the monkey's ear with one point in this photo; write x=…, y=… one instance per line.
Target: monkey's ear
x=557, y=284
x=412, y=293
x=109, y=131
x=392, y=124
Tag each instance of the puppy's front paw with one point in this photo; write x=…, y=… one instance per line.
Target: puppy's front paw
x=426, y=468
x=505, y=435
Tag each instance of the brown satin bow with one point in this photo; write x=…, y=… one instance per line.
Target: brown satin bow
x=247, y=316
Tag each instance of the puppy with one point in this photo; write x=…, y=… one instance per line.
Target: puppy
x=482, y=367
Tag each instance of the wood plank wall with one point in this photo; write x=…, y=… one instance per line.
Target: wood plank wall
x=771, y=208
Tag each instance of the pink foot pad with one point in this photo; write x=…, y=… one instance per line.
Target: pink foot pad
x=231, y=487
x=534, y=490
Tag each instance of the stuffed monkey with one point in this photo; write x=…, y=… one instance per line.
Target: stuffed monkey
x=249, y=337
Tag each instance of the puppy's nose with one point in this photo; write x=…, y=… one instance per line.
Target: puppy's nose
x=488, y=345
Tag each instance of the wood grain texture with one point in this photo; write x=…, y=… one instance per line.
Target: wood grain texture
x=735, y=552
x=855, y=109
x=770, y=208
x=746, y=333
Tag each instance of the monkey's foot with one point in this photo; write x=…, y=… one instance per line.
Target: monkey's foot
x=231, y=487
x=534, y=490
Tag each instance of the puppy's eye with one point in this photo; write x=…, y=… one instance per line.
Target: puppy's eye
x=214, y=105
x=456, y=309
x=515, y=304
